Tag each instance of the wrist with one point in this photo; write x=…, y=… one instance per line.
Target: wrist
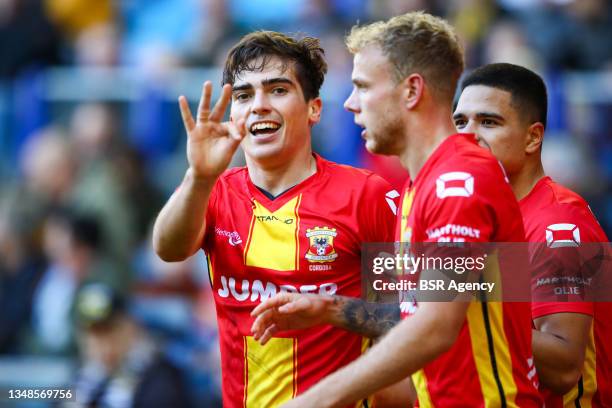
x=199, y=181
x=333, y=311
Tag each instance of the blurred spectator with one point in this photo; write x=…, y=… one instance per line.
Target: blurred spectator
x=94, y=133
x=20, y=269
x=72, y=245
x=575, y=34
x=98, y=46
x=27, y=37
x=75, y=16
x=122, y=366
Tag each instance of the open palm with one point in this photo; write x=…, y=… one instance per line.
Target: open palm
x=210, y=142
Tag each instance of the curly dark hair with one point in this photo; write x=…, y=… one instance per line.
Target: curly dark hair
x=254, y=51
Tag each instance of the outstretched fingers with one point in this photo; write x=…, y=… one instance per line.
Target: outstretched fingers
x=221, y=106
x=188, y=121
x=204, y=106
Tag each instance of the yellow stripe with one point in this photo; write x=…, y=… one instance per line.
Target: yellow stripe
x=406, y=207
x=271, y=372
x=482, y=358
x=273, y=237
x=589, y=378
x=211, y=274
x=420, y=384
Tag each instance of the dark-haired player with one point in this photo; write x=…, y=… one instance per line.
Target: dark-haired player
x=289, y=221
x=505, y=105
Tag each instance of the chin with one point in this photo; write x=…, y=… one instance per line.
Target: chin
x=263, y=152
x=376, y=148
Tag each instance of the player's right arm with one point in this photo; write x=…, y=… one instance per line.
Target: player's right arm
x=180, y=226
x=559, y=344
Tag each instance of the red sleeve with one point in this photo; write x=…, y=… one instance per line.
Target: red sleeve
x=565, y=266
x=211, y=215
x=539, y=309
x=378, y=210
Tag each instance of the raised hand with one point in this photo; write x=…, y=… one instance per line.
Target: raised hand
x=210, y=142
x=289, y=311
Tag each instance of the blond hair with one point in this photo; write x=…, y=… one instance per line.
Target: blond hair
x=415, y=42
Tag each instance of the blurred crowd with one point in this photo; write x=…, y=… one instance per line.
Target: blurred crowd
x=82, y=174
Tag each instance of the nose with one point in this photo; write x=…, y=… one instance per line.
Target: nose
x=470, y=127
x=351, y=103
x=261, y=103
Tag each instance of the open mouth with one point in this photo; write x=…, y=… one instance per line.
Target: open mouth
x=264, y=128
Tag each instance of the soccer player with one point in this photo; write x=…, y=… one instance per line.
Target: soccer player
x=458, y=353
x=289, y=221
x=505, y=105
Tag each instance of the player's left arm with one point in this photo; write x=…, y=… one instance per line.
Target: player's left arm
x=559, y=343
x=292, y=311
x=410, y=345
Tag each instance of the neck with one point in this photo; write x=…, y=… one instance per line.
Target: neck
x=279, y=177
x=523, y=182
x=423, y=135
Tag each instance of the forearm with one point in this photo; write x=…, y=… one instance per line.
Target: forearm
x=405, y=349
x=557, y=369
x=180, y=225
x=372, y=320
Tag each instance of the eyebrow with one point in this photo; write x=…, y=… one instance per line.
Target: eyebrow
x=481, y=115
x=265, y=82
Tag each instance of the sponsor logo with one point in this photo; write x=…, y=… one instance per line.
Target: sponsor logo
x=390, y=198
x=455, y=184
x=562, y=235
x=274, y=218
x=232, y=237
x=260, y=291
x=453, y=230
x=321, y=247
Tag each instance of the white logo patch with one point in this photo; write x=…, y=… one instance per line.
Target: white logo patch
x=463, y=184
x=390, y=197
x=562, y=235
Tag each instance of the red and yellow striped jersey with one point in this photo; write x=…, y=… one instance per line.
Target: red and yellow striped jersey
x=554, y=215
x=462, y=195
x=306, y=240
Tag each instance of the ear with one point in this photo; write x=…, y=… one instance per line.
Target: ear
x=413, y=88
x=535, y=137
x=314, y=111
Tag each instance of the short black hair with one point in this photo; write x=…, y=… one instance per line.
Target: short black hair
x=254, y=50
x=527, y=88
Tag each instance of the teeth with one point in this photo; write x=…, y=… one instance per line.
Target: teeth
x=264, y=125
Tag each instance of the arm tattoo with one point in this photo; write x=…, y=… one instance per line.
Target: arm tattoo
x=372, y=320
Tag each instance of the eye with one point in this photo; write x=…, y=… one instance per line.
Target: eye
x=241, y=96
x=460, y=123
x=279, y=91
x=489, y=122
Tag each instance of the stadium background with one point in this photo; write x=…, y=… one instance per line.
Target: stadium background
x=90, y=131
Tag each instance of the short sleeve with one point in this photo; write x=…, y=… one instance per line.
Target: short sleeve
x=567, y=263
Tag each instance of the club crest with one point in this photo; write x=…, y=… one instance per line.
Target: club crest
x=321, y=248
